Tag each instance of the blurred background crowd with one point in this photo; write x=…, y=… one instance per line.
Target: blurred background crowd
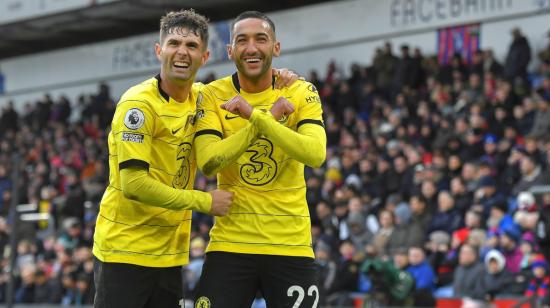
x=434, y=183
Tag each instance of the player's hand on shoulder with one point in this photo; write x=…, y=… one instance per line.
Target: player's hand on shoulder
x=221, y=202
x=285, y=77
x=239, y=106
x=281, y=108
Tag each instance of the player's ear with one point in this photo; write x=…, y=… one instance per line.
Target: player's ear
x=229, y=51
x=277, y=49
x=158, y=50
x=205, y=56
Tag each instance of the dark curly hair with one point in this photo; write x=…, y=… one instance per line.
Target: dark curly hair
x=185, y=19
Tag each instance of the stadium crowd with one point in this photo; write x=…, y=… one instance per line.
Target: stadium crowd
x=426, y=188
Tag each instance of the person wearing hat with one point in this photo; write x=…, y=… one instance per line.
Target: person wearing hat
x=540, y=283
x=498, y=215
x=509, y=244
x=526, y=202
x=487, y=193
x=490, y=142
x=326, y=267
x=442, y=260
x=359, y=235
x=401, y=233
x=496, y=278
x=528, y=247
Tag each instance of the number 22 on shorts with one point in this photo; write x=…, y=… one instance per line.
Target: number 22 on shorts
x=301, y=295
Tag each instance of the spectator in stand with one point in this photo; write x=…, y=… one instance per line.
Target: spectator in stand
x=487, y=194
x=359, y=235
x=25, y=291
x=46, y=290
x=8, y=119
x=416, y=226
x=490, y=64
x=347, y=274
x=498, y=217
x=463, y=198
x=5, y=186
x=385, y=64
x=381, y=238
x=541, y=125
x=443, y=260
x=423, y=275
x=326, y=267
x=405, y=72
x=447, y=217
x=531, y=174
x=466, y=281
x=539, y=285
x=496, y=279
x=194, y=268
x=543, y=224
x=509, y=244
x=518, y=58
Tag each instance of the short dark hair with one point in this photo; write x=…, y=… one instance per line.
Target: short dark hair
x=189, y=19
x=252, y=14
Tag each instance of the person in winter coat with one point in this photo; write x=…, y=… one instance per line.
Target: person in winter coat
x=518, y=58
x=539, y=284
x=466, y=278
x=496, y=279
x=509, y=244
x=424, y=277
x=447, y=217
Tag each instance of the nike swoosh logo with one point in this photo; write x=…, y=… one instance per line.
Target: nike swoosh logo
x=227, y=117
x=174, y=131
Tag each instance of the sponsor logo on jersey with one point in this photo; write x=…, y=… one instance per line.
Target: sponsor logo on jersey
x=134, y=118
x=312, y=88
x=138, y=138
x=313, y=99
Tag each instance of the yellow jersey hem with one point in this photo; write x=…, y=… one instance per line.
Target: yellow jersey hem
x=294, y=251
x=152, y=261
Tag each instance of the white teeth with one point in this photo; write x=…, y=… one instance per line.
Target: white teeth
x=252, y=60
x=181, y=64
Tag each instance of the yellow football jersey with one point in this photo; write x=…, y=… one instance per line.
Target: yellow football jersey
x=269, y=214
x=151, y=130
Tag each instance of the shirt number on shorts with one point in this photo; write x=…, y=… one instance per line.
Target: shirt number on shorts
x=301, y=295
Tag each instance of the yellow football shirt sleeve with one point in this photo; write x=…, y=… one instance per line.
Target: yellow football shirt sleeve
x=138, y=185
x=308, y=144
x=212, y=151
x=133, y=128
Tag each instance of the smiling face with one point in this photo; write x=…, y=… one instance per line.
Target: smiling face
x=181, y=53
x=253, y=47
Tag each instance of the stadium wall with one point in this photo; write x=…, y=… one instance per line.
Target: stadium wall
x=346, y=31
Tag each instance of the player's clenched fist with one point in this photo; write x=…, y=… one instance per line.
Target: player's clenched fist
x=282, y=107
x=221, y=202
x=239, y=106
